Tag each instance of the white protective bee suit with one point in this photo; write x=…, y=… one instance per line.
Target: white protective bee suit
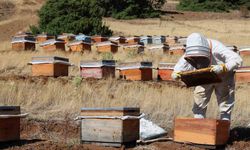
x=218, y=54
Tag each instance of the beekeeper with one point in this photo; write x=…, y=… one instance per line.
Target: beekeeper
x=201, y=53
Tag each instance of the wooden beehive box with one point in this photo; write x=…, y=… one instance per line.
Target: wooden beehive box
x=242, y=74
x=107, y=46
x=177, y=50
x=98, y=39
x=97, y=69
x=133, y=40
x=50, y=66
x=79, y=46
x=201, y=131
x=66, y=37
x=118, y=39
x=171, y=40
x=44, y=37
x=110, y=131
x=23, y=43
x=158, y=39
x=146, y=40
x=161, y=48
x=9, y=126
x=137, y=71
x=53, y=45
x=133, y=47
x=165, y=71
x=245, y=51
x=199, y=77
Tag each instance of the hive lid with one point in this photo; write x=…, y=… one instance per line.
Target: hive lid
x=160, y=46
x=106, y=43
x=10, y=110
x=49, y=59
x=115, y=38
x=244, y=48
x=132, y=38
x=23, y=39
x=65, y=35
x=243, y=69
x=112, y=111
x=199, y=77
x=76, y=42
x=176, y=47
x=164, y=65
x=133, y=46
x=134, y=65
x=44, y=35
x=51, y=42
x=101, y=63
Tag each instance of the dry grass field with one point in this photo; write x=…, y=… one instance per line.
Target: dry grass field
x=56, y=98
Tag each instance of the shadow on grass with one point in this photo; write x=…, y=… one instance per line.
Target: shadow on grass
x=4, y=145
x=239, y=134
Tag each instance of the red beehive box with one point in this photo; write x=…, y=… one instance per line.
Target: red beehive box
x=107, y=46
x=242, y=74
x=245, y=51
x=165, y=70
x=133, y=40
x=177, y=50
x=79, y=46
x=98, y=39
x=53, y=45
x=23, y=43
x=136, y=71
x=50, y=66
x=134, y=47
x=10, y=123
x=118, y=39
x=44, y=37
x=201, y=131
x=98, y=69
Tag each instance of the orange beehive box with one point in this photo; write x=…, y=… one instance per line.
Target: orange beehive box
x=171, y=40
x=50, y=66
x=98, y=69
x=118, y=39
x=23, y=43
x=245, y=51
x=133, y=47
x=177, y=50
x=136, y=71
x=79, y=46
x=165, y=70
x=10, y=123
x=53, y=45
x=66, y=37
x=201, y=131
x=44, y=37
x=133, y=40
x=98, y=39
x=107, y=47
x=242, y=74
x=105, y=126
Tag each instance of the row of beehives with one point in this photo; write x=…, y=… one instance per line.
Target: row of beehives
x=143, y=71
x=82, y=43
x=123, y=127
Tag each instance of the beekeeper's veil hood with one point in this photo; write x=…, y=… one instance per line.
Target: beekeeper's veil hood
x=197, y=46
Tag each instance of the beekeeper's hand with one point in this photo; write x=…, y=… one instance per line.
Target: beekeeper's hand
x=176, y=75
x=218, y=69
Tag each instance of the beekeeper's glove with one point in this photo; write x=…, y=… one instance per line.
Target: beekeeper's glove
x=176, y=75
x=218, y=69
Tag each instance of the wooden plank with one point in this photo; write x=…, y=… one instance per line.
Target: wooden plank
x=111, y=112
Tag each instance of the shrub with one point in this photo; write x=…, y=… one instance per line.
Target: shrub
x=72, y=16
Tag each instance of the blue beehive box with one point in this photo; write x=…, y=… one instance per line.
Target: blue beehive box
x=158, y=39
x=146, y=40
x=82, y=37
